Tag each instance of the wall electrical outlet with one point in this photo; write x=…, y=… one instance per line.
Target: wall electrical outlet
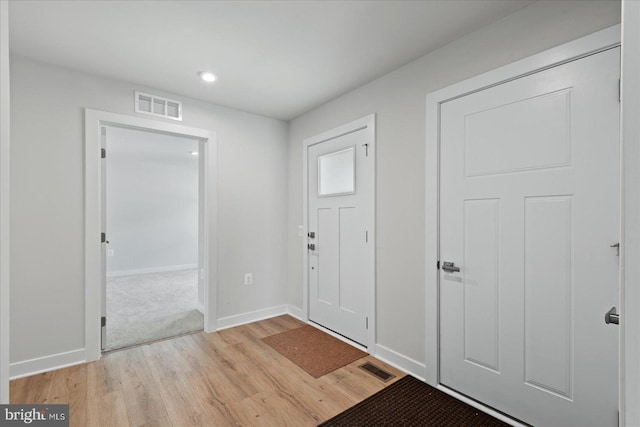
x=109, y=252
x=301, y=230
x=248, y=279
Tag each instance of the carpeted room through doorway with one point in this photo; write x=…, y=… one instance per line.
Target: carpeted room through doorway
x=148, y=307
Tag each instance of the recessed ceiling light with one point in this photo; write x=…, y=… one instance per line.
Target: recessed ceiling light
x=207, y=76
x=194, y=153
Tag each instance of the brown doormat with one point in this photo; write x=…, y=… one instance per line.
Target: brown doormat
x=313, y=350
x=410, y=402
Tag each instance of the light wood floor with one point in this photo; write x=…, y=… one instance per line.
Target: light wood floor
x=227, y=378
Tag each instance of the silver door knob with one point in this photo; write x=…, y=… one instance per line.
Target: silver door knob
x=450, y=267
x=612, y=316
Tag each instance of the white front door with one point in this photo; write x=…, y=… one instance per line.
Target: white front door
x=529, y=211
x=340, y=262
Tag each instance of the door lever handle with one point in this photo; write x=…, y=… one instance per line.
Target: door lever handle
x=612, y=317
x=450, y=267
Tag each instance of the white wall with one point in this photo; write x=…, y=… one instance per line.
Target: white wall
x=398, y=99
x=47, y=224
x=152, y=202
x=4, y=202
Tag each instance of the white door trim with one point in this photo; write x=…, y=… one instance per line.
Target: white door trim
x=581, y=47
x=94, y=119
x=368, y=123
x=630, y=245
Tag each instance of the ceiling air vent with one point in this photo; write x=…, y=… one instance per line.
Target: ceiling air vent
x=158, y=106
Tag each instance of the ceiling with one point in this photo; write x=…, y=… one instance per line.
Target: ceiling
x=275, y=58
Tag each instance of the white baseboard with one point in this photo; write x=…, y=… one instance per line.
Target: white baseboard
x=119, y=273
x=296, y=312
x=47, y=363
x=253, y=316
x=75, y=357
x=404, y=363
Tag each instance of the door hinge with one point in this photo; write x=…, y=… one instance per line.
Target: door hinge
x=438, y=265
x=103, y=237
x=367, y=322
x=366, y=236
x=619, y=90
x=103, y=153
x=103, y=321
x=617, y=248
x=366, y=149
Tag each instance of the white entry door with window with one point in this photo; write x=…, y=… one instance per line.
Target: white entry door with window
x=530, y=215
x=340, y=254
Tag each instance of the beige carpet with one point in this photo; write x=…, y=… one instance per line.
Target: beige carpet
x=314, y=351
x=149, y=307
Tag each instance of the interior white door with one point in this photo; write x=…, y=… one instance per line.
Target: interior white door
x=529, y=210
x=340, y=210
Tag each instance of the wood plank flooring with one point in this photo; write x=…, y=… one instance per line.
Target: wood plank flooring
x=227, y=378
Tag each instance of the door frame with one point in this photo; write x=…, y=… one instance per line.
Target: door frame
x=94, y=211
x=630, y=244
x=365, y=123
x=584, y=46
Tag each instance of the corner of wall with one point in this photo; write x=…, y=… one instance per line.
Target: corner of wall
x=4, y=202
x=296, y=312
x=400, y=361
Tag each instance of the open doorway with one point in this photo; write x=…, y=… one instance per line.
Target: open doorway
x=96, y=124
x=152, y=282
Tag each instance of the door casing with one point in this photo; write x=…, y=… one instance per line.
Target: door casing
x=106, y=133
x=596, y=42
x=630, y=253
x=94, y=121
x=366, y=123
